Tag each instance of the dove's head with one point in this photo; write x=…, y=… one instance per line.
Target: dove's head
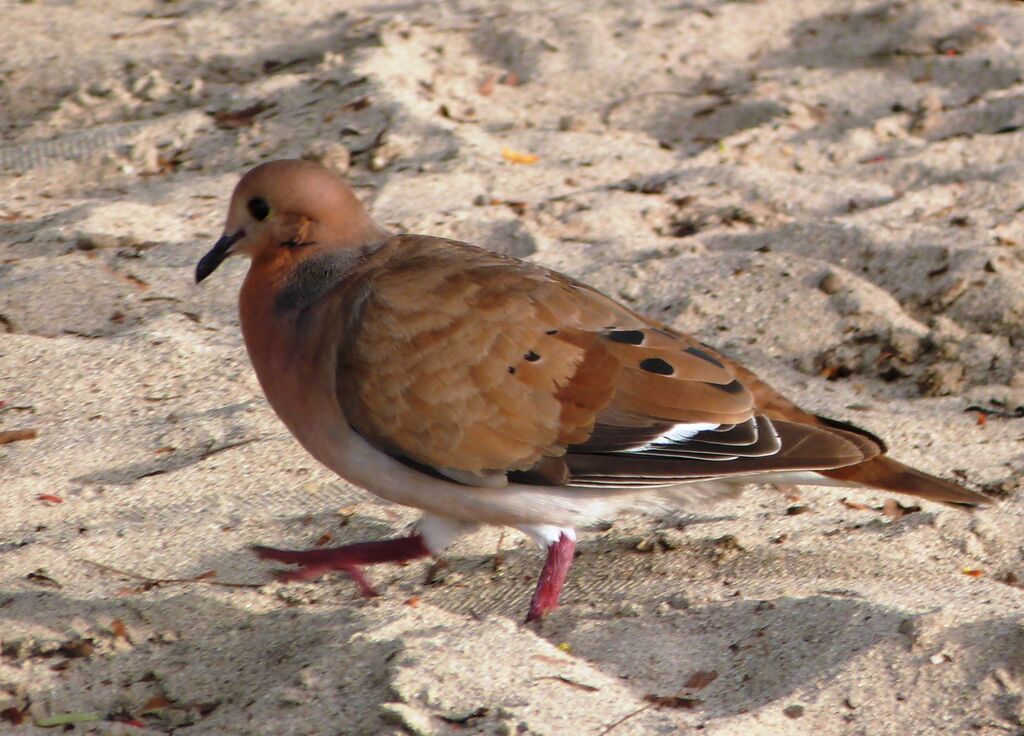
x=294, y=205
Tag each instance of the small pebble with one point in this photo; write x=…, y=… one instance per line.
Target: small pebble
x=830, y=283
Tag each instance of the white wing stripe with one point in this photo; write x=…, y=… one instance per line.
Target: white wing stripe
x=676, y=434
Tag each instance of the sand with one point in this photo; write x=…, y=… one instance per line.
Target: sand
x=829, y=191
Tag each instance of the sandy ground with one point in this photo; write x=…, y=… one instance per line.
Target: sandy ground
x=829, y=191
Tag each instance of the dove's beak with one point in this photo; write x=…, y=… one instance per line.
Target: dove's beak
x=221, y=250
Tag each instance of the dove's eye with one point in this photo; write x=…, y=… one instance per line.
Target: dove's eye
x=259, y=208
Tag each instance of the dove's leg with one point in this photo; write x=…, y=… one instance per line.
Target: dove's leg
x=433, y=534
x=561, y=548
x=351, y=558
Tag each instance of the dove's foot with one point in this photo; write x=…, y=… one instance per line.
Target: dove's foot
x=351, y=558
x=552, y=577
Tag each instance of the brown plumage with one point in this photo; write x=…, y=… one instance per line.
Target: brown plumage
x=483, y=389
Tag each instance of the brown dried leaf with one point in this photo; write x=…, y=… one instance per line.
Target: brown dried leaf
x=77, y=648
x=700, y=679
x=233, y=119
x=156, y=703
x=672, y=701
x=118, y=629
x=793, y=711
x=17, y=435
x=13, y=715
x=39, y=577
x=487, y=86
x=361, y=104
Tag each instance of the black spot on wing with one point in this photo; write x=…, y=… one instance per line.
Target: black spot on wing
x=730, y=388
x=531, y=357
x=657, y=365
x=705, y=356
x=629, y=337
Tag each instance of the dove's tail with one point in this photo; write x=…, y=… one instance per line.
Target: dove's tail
x=887, y=474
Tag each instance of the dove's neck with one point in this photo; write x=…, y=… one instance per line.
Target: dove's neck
x=292, y=314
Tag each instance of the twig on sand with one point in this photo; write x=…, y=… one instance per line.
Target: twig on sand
x=149, y=582
x=625, y=718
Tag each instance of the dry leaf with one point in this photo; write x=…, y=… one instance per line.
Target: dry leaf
x=672, y=701
x=232, y=119
x=17, y=435
x=39, y=577
x=13, y=715
x=360, y=104
x=518, y=207
x=519, y=157
x=118, y=629
x=700, y=679
x=487, y=86
x=156, y=703
x=77, y=648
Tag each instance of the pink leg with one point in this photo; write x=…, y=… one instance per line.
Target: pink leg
x=552, y=577
x=350, y=558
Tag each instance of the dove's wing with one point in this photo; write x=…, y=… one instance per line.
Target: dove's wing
x=479, y=367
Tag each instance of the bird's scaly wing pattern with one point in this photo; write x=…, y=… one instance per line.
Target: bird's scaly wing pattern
x=476, y=366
